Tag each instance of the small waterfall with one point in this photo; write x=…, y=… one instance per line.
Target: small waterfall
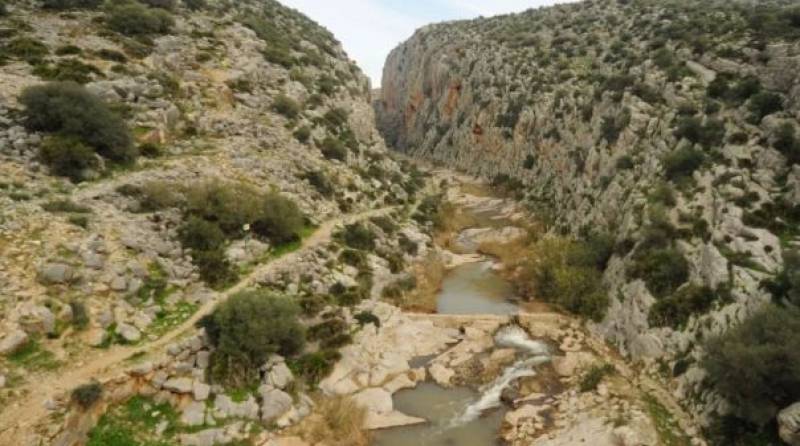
x=515, y=337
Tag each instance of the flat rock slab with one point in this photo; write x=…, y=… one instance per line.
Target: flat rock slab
x=390, y=419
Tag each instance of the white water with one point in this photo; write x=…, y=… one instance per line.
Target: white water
x=515, y=337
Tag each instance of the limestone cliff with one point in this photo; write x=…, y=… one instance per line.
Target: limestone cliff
x=93, y=252
x=669, y=125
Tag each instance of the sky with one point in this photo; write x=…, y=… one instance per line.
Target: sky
x=370, y=29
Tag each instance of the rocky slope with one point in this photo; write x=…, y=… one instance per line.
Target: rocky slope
x=245, y=93
x=669, y=125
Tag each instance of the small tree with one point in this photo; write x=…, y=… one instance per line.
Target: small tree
x=286, y=106
x=280, y=220
x=67, y=156
x=756, y=365
x=135, y=19
x=70, y=110
x=663, y=270
x=87, y=395
x=765, y=103
x=683, y=162
x=71, y=4
x=247, y=329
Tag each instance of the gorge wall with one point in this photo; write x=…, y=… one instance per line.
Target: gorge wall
x=669, y=125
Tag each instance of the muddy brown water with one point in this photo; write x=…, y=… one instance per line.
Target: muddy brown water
x=472, y=288
x=440, y=407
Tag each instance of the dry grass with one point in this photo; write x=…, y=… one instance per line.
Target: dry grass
x=511, y=253
x=430, y=273
x=337, y=421
x=454, y=220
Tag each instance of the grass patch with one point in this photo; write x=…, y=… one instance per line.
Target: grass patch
x=167, y=320
x=134, y=424
x=594, y=376
x=340, y=422
x=33, y=357
x=669, y=433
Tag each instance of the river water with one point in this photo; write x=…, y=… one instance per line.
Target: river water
x=461, y=416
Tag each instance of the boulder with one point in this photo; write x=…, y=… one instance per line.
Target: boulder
x=129, y=332
x=374, y=400
x=208, y=437
x=194, y=414
x=441, y=374
x=789, y=424
x=178, y=385
x=280, y=376
x=572, y=362
x=274, y=403
x=13, y=342
x=56, y=273
x=225, y=407
x=200, y=391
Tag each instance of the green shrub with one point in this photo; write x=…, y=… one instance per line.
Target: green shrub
x=625, y=162
x=67, y=156
x=65, y=206
x=333, y=149
x=302, y=134
x=663, y=194
x=200, y=235
x=327, y=329
x=709, y=135
x=566, y=273
x=675, y=310
x=195, y=5
x=756, y=365
x=280, y=220
x=313, y=367
x=594, y=376
x=68, y=50
x=229, y=205
x=25, y=48
x=150, y=150
x=248, y=328
x=366, y=317
x=286, y=106
x=169, y=5
x=785, y=286
x=612, y=126
x=321, y=183
x=67, y=70
x=662, y=269
x=357, y=236
x=80, y=315
x=70, y=110
x=763, y=104
x=214, y=268
x=71, y=4
x=786, y=142
x=529, y=163
x=112, y=55
x=682, y=163
x=135, y=19
x=353, y=258
x=279, y=55
x=87, y=395
x=387, y=225
x=3, y=10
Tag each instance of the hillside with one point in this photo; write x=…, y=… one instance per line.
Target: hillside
x=665, y=129
x=155, y=157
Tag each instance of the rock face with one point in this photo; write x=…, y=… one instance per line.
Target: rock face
x=789, y=424
x=586, y=110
